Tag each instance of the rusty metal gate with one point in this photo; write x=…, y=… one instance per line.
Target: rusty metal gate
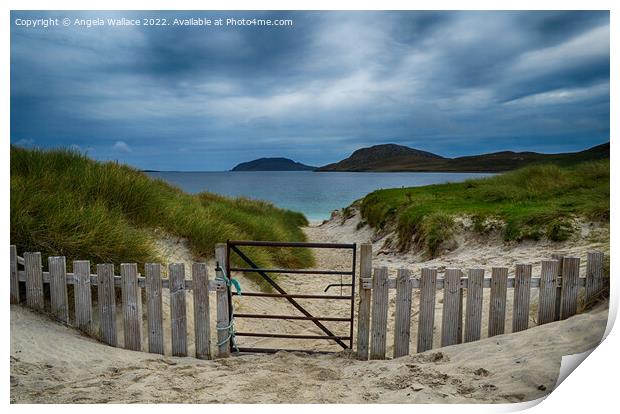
x=249, y=266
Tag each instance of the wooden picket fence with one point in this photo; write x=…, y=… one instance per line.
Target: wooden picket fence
x=131, y=283
x=558, y=284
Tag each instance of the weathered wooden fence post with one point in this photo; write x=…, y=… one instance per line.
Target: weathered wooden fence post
x=82, y=295
x=426, y=318
x=521, y=304
x=365, y=297
x=154, y=309
x=34, y=280
x=459, y=328
x=223, y=322
x=202, y=332
x=107, y=303
x=14, y=276
x=178, y=311
x=402, y=316
x=451, y=307
x=570, y=286
x=380, y=292
x=558, y=289
x=58, y=288
x=132, y=318
x=594, y=275
x=547, y=291
x=497, y=304
x=473, y=311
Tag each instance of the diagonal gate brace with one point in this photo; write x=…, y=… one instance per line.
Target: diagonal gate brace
x=283, y=292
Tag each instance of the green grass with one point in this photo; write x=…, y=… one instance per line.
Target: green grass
x=533, y=202
x=63, y=203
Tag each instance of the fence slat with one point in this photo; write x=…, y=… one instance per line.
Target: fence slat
x=34, y=280
x=497, y=304
x=594, y=275
x=547, y=291
x=14, y=276
x=178, y=312
x=402, y=316
x=201, y=310
x=380, y=291
x=107, y=303
x=132, y=318
x=154, y=311
x=426, y=318
x=558, y=290
x=451, y=305
x=365, y=297
x=521, y=304
x=82, y=295
x=223, y=340
x=570, y=287
x=58, y=288
x=459, y=327
x=473, y=311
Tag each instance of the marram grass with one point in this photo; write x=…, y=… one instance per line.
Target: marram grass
x=63, y=203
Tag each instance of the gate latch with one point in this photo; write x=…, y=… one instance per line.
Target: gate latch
x=336, y=284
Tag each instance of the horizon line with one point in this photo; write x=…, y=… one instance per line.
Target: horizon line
x=389, y=143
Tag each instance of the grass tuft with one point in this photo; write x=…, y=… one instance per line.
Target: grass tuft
x=437, y=228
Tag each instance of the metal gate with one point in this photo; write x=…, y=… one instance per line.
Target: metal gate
x=344, y=341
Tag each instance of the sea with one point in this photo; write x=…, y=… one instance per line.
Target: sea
x=315, y=194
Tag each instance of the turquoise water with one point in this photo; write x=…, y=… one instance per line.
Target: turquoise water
x=316, y=194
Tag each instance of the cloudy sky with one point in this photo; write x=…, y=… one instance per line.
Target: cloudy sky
x=206, y=98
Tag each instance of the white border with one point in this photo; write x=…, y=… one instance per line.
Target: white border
x=590, y=388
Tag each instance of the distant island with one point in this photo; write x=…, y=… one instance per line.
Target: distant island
x=273, y=164
x=394, y=158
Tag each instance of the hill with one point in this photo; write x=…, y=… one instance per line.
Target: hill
x=273, y=164
x=374, y=158
x=393, y=157
x=63, y=203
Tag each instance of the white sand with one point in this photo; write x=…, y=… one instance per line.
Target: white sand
x=53, y=363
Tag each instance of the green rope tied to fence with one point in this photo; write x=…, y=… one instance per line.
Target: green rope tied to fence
x=221, y=276
x=237, y=285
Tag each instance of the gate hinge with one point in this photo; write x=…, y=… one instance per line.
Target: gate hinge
x=220, y=285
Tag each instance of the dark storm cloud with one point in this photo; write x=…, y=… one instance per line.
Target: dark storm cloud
x=197, y=98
